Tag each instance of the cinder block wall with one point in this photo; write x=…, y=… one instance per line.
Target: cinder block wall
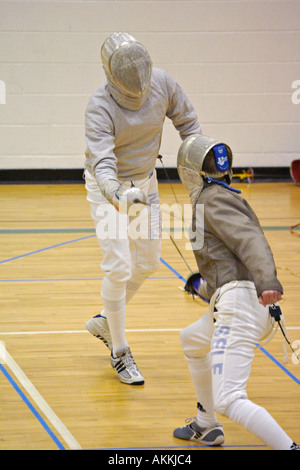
x=237, y=61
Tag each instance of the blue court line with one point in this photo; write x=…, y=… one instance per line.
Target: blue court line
x=279, y=365
x=173, y=270
x=47, y=248
x=31, y=407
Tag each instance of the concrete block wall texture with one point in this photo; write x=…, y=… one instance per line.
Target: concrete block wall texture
x=238, y=61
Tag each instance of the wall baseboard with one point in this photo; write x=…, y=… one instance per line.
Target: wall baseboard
x=74, y=176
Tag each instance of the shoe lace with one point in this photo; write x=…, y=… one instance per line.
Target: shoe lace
x=190, y=420
x=194, y=418
x=129, y=362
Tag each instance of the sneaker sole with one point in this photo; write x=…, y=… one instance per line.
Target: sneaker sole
x=93, y=328
x=124, y=381
x=210, y=439
x=217, y=442
x=127, y=381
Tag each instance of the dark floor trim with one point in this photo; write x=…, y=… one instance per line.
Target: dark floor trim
x=73, y=176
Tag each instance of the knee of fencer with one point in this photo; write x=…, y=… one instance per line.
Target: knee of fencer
x=117, y=268
x=119, y=276
x=184, y=339
x=191, y=348
x=224, y=400
x=220, y=408
x=187, y=340
x=140, y=274
x=113, y=290
x=154, y=262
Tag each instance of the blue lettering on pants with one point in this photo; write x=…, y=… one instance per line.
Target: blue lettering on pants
x=218, y=347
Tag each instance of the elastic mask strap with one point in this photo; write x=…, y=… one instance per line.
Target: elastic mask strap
x=221, y=183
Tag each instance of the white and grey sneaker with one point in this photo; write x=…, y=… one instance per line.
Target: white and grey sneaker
x=126, y=368
x=98, y=327
x=210, y=436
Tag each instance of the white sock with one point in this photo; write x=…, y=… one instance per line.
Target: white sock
x=114, y=302
x=131, y=289
x=200, y=370
x=116, y=319
x=257, y=420
x=115, y=311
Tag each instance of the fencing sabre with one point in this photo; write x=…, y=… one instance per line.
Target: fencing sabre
x=168, y=178
x=171, y=238
x=276, y=313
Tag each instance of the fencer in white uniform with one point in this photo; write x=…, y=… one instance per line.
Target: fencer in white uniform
x=239, y=279
x=124, y=124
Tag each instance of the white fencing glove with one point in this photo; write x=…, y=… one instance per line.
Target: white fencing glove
x=122, y=197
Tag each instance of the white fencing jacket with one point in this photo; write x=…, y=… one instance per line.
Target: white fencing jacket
x=124, y=144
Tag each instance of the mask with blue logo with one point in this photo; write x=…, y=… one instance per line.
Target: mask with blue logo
x=221, y=158
x=222, y=165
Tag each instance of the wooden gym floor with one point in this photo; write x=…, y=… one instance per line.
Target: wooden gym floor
x=57, y=388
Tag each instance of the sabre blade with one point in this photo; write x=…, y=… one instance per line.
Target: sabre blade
x=288, y=342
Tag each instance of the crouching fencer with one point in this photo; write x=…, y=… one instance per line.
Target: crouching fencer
x=239, y=280
x=124, y=123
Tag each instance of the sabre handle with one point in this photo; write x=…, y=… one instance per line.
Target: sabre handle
x=275, y=311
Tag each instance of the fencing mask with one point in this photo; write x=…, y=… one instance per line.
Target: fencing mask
x=128, y=68
x=201, y=156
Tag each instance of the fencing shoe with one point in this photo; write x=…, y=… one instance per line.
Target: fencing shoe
x=126, y=368
x=210, y=436
x=98, y=327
